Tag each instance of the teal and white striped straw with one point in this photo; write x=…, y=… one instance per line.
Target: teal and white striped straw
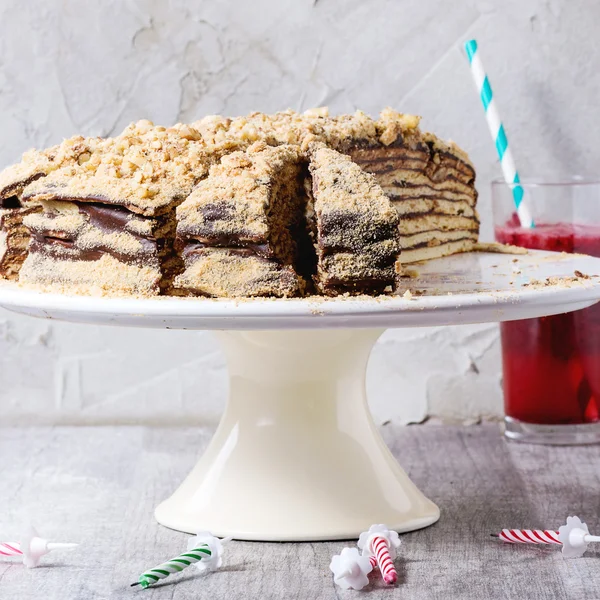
x=498, y=134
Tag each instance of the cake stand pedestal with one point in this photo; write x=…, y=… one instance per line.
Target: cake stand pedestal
x=297, y=456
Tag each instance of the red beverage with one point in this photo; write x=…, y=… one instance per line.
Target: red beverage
x=552, y=364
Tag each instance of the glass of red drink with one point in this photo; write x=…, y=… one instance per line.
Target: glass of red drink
x=551, y=365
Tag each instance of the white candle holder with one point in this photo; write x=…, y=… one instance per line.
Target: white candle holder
x=31, y=548
x=350, y=569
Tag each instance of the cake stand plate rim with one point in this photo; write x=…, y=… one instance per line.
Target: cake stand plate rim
x=465, y=301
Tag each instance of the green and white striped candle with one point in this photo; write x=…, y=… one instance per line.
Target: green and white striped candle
x=204, y=552
x=496, y=128
x=175, y=565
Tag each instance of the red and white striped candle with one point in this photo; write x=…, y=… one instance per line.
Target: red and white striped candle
x=31, y=548
x=529, y=536
x=384, y=559
x=574, y=537
x=380, y=544
x=10, y=549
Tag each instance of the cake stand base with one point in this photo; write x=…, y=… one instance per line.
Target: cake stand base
x=297, y=456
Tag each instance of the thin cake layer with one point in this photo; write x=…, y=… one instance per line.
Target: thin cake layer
x=354, y=226
x=437, y=249
x=94, y=247
x=35, y=164
x=433, y=230
x=235, y=273
x=105, y=276
x=242, y=218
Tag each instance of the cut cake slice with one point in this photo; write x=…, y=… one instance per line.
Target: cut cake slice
x=14, y=235
x=108, y=224
x=354, y=227
x=237, y=230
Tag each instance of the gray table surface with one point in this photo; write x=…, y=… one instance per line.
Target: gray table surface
x=99, y=486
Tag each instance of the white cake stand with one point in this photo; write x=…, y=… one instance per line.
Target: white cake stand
x=297, y=455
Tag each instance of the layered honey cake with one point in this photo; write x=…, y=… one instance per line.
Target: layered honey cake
x=277, y=205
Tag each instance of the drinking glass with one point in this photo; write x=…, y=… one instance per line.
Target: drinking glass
x=551, y=365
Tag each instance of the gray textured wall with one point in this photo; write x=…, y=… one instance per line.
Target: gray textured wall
x=92, y=67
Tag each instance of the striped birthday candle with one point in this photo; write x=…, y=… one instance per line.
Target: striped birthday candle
x=205, y=552
x=380, y=545
x=498, y=132
x=384, y=560
x=10, y=549
x=574, y=537
x=31, y=549
x=529, y=536
x=175, y=565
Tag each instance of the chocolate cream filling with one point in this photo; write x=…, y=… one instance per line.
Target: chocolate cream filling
x=10, y=202
x=231, y=244
x=105, y=219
